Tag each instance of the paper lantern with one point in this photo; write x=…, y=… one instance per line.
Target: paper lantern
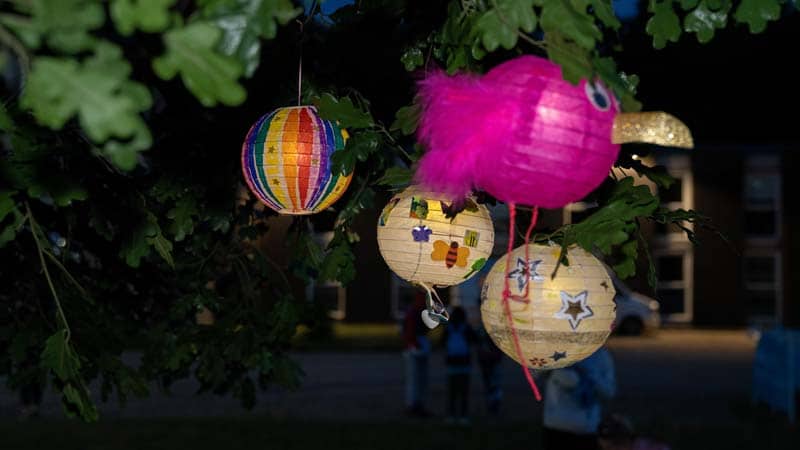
x=286, y=159
x=563, y=320
x=526, y=136
x=424, y=247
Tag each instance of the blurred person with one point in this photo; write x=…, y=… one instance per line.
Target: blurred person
x=417, y=350
x=458, y=339
x=616, y=433
x=489, y=357
x=573, y=402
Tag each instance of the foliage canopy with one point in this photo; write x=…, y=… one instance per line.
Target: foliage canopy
x=120, y=208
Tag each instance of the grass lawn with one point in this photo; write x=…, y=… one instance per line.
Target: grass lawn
x=264, y=433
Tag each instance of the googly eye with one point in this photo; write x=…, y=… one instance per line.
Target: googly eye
x=598, y=96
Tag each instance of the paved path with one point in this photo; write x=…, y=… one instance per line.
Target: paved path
x=685, y=375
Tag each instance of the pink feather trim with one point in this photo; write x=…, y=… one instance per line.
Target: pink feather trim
x=453, y=151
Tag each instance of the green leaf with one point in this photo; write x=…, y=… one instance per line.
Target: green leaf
x=407, y=119
x=76, y=399
x=182, y=216
x=605, y=12
x=6, y=122
x=656, y=174
x=59, y=356
x=8, y=208
x=163, y=247
x=359, y=147
x=396, y=177
x=704, y=22
x=150, y=16
x=756, y=13
x=98, y=92
x=141, y=239
x=626, y=268
x=64, y=25
x=210, y=76
x=498, y=27
x=664, y=25
x=244, y=23
x=412, y=58
x=574, y=24
x=343, y=111
x=689, y=4
x=339, y=264
x=7, y=203
x=574, y=60
x=456, y=40
x=622, y=85
x=613, y=223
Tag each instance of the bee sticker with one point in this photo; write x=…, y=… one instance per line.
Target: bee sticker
x=471, y=238
x=387, y=210
x=419, y=208
x=452, y=254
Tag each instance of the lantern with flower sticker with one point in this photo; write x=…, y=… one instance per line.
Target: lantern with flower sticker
x=286, y=160
x=558, y=320
x=430, y=242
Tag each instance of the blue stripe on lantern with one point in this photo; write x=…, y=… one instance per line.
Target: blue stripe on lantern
x=324, y=162
x=248, y=164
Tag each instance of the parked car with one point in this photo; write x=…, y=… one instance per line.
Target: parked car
x=636, y=313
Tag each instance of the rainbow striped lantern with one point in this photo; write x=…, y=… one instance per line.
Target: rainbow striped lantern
x=286, y=159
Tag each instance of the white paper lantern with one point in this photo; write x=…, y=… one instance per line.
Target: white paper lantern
x=424, y=247
x=563, y=320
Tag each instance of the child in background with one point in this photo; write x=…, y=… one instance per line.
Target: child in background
x=489, y=358
x=458, y=339
x=417, y=349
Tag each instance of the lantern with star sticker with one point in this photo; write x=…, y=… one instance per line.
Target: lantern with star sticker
x=559, y=320
x=286, y=160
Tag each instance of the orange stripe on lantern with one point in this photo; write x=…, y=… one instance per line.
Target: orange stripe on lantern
x=304, y=150
x=290, y=130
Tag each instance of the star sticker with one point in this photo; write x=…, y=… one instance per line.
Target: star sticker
x=574, y=308
x=315, y=161
x=276, y=182
x=605, y=285
x=559, y=355
x=272, y=149
x=522, y=274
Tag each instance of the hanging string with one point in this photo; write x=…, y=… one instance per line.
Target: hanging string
x=300, y=68
x=512, y=215
x=534, y=218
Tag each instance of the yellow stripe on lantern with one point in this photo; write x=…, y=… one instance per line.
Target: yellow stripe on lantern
x=341, y=186
x=273, y=146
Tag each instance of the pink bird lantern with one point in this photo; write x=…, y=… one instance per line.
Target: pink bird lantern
x=526, y=136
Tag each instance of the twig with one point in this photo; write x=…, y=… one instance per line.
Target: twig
x=35, y=231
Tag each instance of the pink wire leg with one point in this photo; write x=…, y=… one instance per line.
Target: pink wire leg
x=512, y=210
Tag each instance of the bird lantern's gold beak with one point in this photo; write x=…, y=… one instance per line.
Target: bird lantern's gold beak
x=657, y=128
